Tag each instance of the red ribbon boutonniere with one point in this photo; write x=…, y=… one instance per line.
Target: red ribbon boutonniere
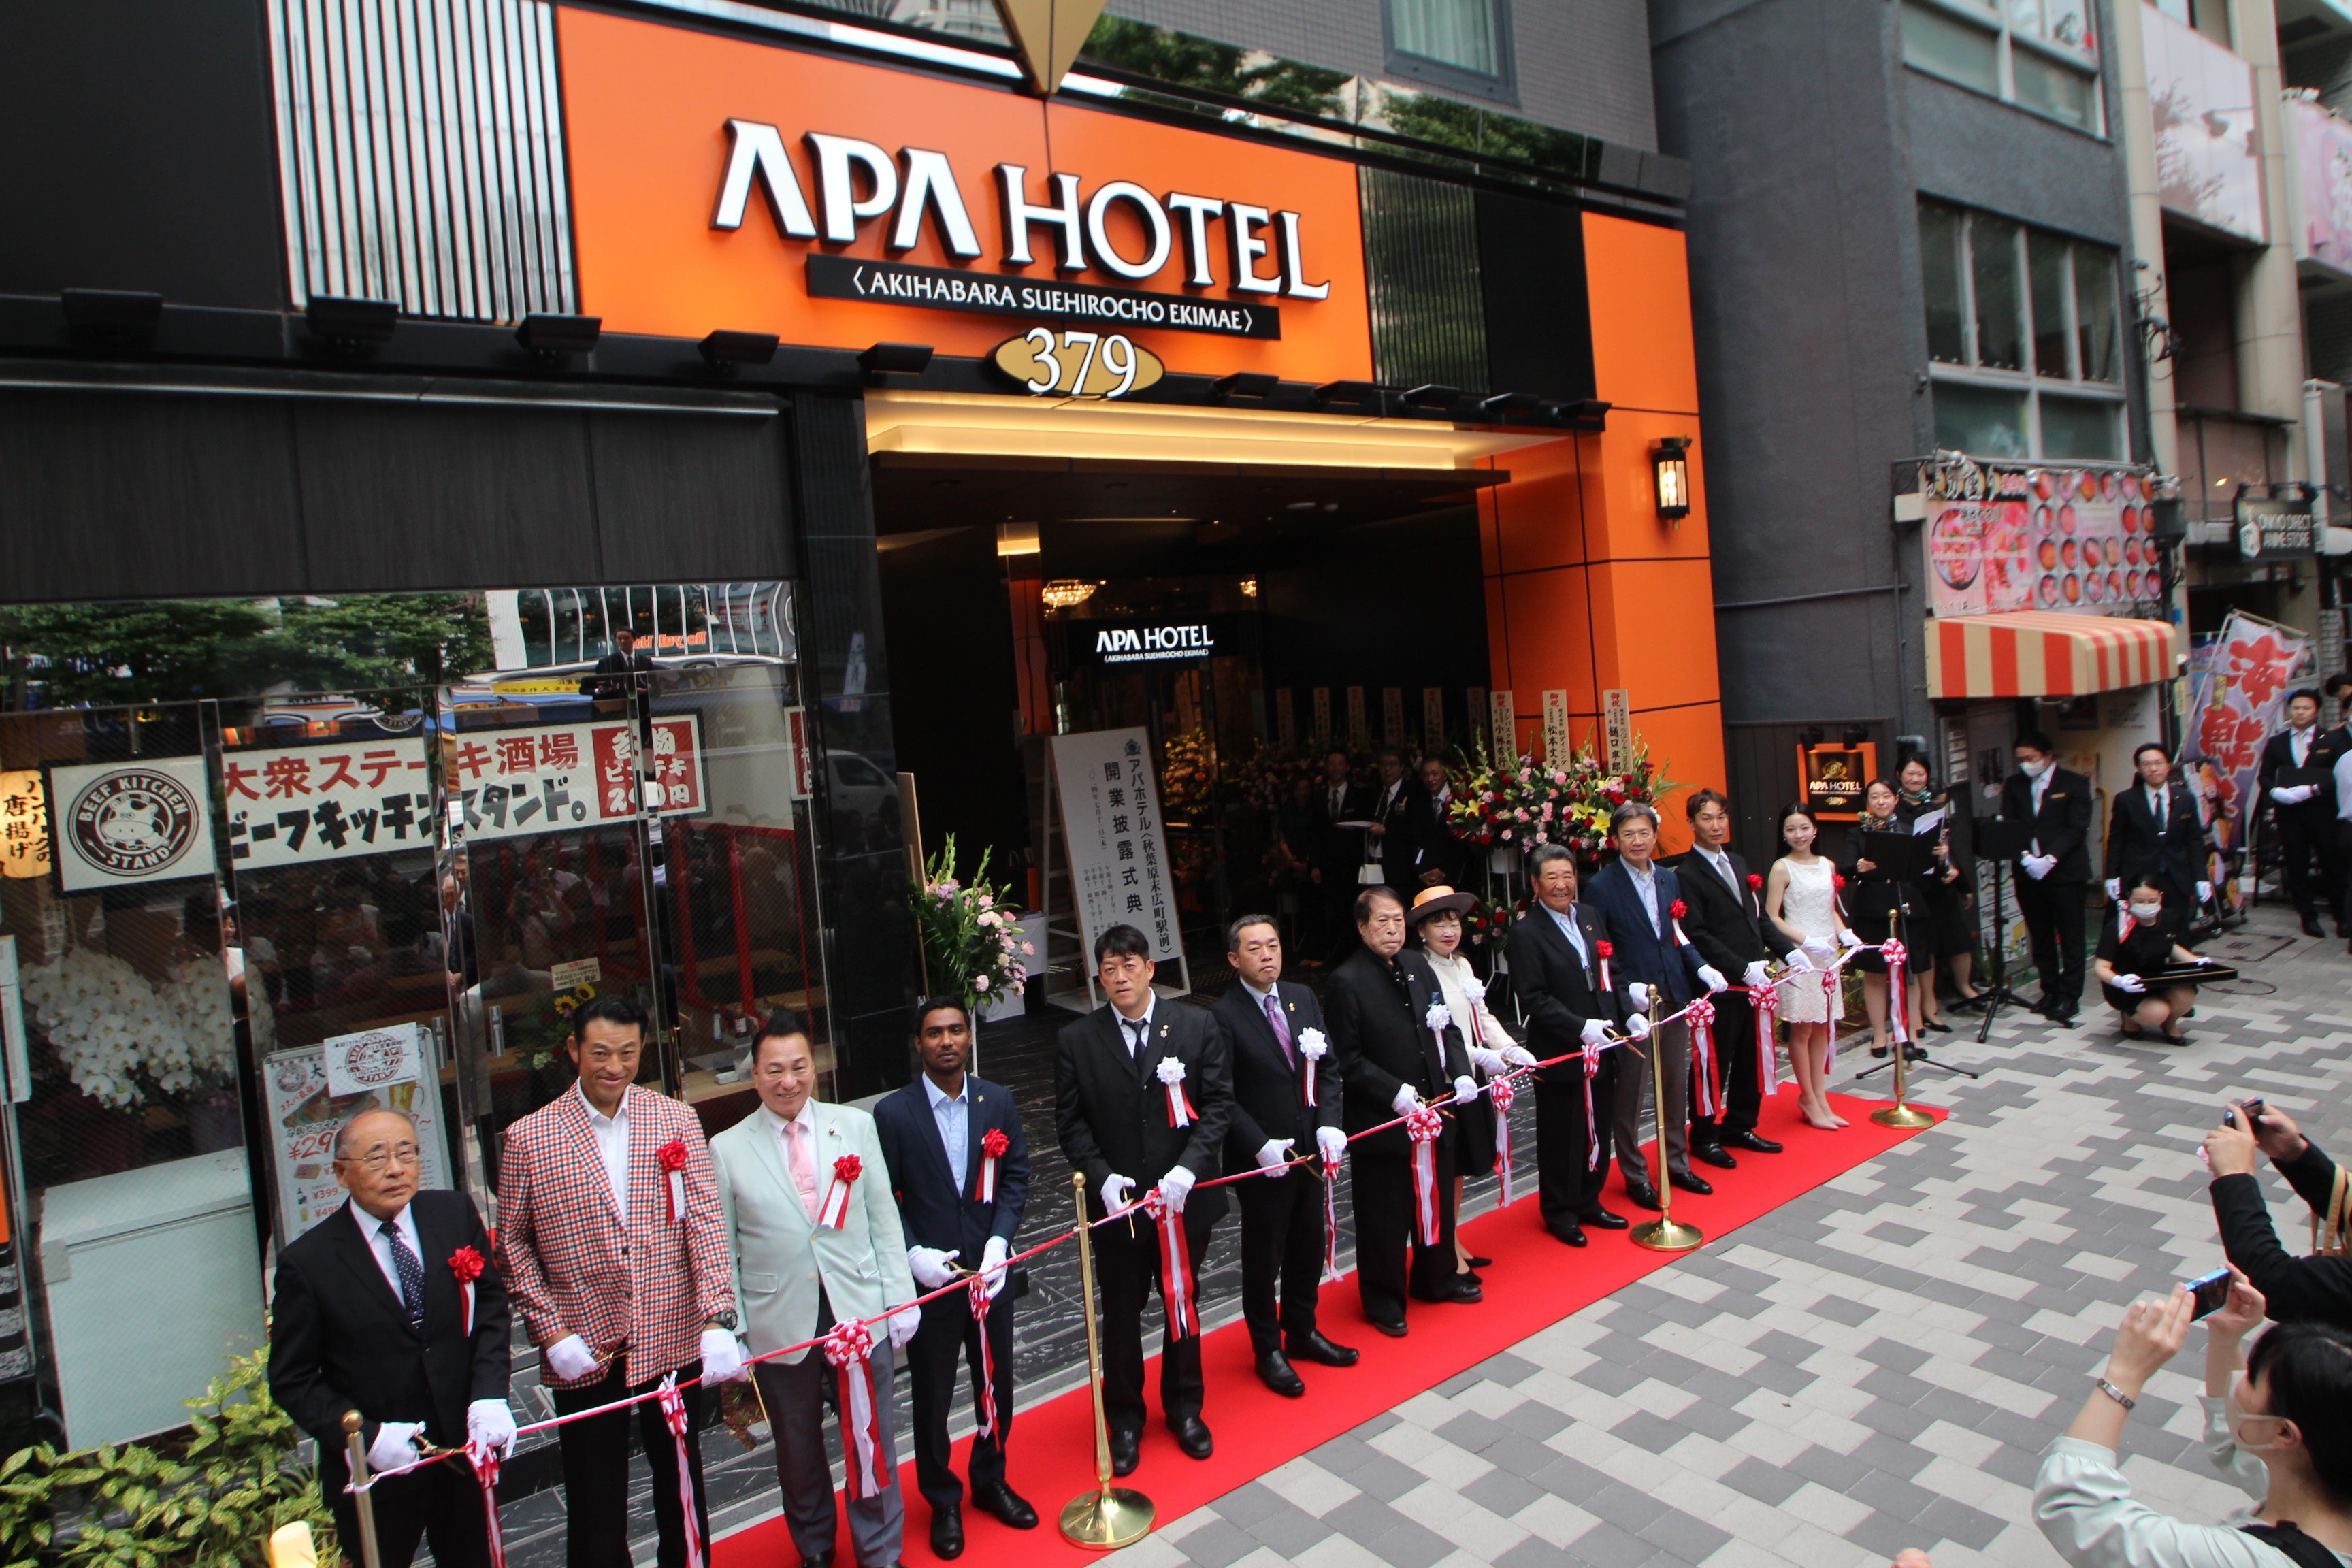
x=466, y=1265
x=672, y=1156
x=835, y=1211
x=993, y=1145
x=1674, y=913
x=1754, y=882
x=1604, y=951
x=1677, y=909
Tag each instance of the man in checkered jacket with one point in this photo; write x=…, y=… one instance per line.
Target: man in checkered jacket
x=616, y=1304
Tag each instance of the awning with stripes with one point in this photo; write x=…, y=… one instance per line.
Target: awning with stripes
x=2046, y=653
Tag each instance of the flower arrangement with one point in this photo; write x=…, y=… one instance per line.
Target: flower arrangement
x=1187, y=771
x=120, y=1040
x=970, y=934
x=1522, y=802
x=1265, y=777
x=1487, y=925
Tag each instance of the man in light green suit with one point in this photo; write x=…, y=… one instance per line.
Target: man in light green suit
x=806, y=1258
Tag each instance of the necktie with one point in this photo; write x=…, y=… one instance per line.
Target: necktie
x=1136, y=1029
x=1723, y=864
x=1281, y=1030
x=803, y=1164
x=411, y=1271
x=2159, y=812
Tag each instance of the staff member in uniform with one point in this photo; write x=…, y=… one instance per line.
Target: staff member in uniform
x=934, y=1135
x=1338, y=854
x=2153, y=831
x=2306, y=813
x=1119, y=1131
x=2053, y=873
x=1728, y=926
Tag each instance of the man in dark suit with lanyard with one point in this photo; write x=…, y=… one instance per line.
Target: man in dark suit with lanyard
x=2306, y=813
x=960, y=1213
x=1555, y=953
x=1273, y=1029
x=2153, y=831
x=2054, y=873
x=1728, y=926
x=1393, y=825
x=1392, y=1062
x=1114, y=1071
x=372, y=1315
x=1440, y=858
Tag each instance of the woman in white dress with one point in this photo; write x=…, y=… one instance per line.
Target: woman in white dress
x=1802, y=894
x=1436, y=921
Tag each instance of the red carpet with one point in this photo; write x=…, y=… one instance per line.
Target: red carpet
x=1534, y=1283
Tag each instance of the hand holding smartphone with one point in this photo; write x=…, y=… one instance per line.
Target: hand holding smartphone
x=2210, y=1291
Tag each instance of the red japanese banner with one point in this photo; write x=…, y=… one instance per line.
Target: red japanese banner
x=2241, y=690
x=557, y=776
x=291, y=806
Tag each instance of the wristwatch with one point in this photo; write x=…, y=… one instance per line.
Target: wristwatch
x=726, y=1320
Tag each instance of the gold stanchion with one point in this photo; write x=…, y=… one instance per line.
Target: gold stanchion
x=1106, y=1517
x=352, y=1423
x=1665, y=1233
x=1902, y=1113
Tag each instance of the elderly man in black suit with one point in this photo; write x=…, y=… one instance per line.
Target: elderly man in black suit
x=2053, y=875
x=1555, y=953
x=960, y=1213
x=1728, y=926
x=1113, y=1073
x=372, y=1313
x=2153, y=831
x=1393, y=1062
x=1274, y=1029
x=2306, y=812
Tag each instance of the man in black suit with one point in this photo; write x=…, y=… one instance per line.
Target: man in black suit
x=2306, y=813
x=1440, y=858
x=370, y=1315
x=627, y=669
x=1728, y=926
x=2154, y=832
x=1393, y=825
x=2054, y=873
x=1392, y=1062
x=1555, y=955
x=1338, y=854
x=1271, y=1028
x=959, y=1218
x=1118, y=1128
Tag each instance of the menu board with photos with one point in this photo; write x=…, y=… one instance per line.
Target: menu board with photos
x=2075, y=540
x=304, y=1115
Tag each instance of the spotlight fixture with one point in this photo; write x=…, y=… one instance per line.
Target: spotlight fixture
x=549, y=338
x=1503, y=405
x=1068, y=592
x=1358, y=392
x=1855, y=734
x=1671, y=461
x=1245, y=383
x=111, y=315
x=350, y=326
x=895, y=359
x=1435, y=395
x=724, y=352
x=1813, y=735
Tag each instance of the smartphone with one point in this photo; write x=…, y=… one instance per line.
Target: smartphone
x=2253, y=1108
x=2210, y=1292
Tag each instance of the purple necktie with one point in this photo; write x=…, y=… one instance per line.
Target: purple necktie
x=1281, y=1030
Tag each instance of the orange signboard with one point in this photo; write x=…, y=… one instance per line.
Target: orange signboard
x=723, y=183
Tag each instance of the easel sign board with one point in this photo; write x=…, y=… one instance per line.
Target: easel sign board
x=1108, y=799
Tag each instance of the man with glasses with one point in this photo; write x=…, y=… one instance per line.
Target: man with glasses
x=616, y=1289
x=370, y=1315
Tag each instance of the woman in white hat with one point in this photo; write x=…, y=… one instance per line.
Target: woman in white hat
x=1436, y=921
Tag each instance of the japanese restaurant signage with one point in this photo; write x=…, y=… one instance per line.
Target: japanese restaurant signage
x=296, y=804
x=139, y=821
x=559, y=776
x=2001, y=539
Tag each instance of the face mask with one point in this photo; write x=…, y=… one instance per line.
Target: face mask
x=2146, y=912
x=2035, y=770
x=2239, y=1415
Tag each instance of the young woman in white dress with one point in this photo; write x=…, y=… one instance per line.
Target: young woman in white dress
x=1802, y=894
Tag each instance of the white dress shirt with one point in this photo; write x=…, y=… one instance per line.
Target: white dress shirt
x=370, y=1230
x=2298, y=744
x=1567, y=928
x=613, y=1143
x=1127, y=1026
x=1645, y=882
x=952, y=1113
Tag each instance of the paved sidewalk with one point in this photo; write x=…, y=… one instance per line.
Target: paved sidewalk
x=1874, y=1367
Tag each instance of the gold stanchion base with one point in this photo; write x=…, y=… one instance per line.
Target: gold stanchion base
x=1107, y=1518
x=1667, y=1235
x=1901, y=1116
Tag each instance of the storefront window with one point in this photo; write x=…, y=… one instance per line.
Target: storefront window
x=1939, y=267
x=2078, y=426
x=1981, y=420
x=2039, y=55
x=1992, y=255
x=1463, y=39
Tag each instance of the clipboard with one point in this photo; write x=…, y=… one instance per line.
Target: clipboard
x=1897, y=856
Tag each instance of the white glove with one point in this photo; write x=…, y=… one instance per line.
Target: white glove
x=394, y=1444
x=722, y=1356
x=490, y=1425
x=2115, y=888
x=2038, y=865
x=1115, y=1189
x=1465, y=1089
x=2130, y=982
x=1174, y=1186
x=1847, y=939
x=2293, y=794
x=1407, y=1100
x=1639, y=996
x=1517, y=1057
x=2204, y=892
x=1489, y=1062
x=903, y=1324
x=569, y=1358
x=1712, y=978
x=932, y=1267
x=1800, y=959
x=1272, y=1153
x=1638, y=1026
x=1754, y=978
x=992, y=1264
x=1331, y=1143
x=1595, y=1031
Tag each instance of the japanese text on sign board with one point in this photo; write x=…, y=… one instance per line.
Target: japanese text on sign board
x=24, y=824
x=2240, y=690
x=300, y=804
x=559, y=776
x=1110, y=821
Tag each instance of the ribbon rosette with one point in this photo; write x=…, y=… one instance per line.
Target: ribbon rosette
x=1674, y=913
x=1704, y=1077
x=1604, y=951
x=1179, y=1108
x=466, y=1265
x=983, y=1407
x=1311, y=1045
x=1898, y=1010
x=1592, y=1127
x=672, y=1156
x=850, y=1350
x=1175, y=1269
x=1754, y=882
x=993, y=1145
x=1439, y=1018
x=483, y=1457
x=672, y=1409
x=1424, y=1126
x=1501, y=1092
x=834, y=1214
x=1330, y=1218
x=1766, y=1003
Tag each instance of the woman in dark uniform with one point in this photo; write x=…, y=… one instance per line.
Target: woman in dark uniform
x=2142, y=935
x=1875, y=894
x=1947, y=896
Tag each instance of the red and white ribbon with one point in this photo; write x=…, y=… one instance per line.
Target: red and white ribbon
x=1438, y=1020
x=2124, y=925
x=993, y=1146
x=1766, y=1000
x=835, y=1212
x=1897, y=1009
x=1837, y=1001
x=1180, y=1110
x=1331, y=1217
x=1501, y=1092
x=1175, y=1269
x=1311, y=1046
x=1592, y=1127
x=466, y=1265
x=1706, y=1081
x=850, y=1349
x=1424, y=1126
x=672, y=1409
x=984, y=1407
x=484, y=1457
x=672, y=1158
x=1605, y=950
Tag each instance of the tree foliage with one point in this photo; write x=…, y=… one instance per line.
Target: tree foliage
x=1181, y=59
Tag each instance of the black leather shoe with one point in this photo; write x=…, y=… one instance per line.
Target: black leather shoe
x=1274, y=1370
x=1753, y=1142
x=1193, y=1437
x=822, y=1559
x=946, y=1530
x=1713, y=1154
x=1314, y=1347
x=1601, y=1219
x=1690, y=1184
x=2311, y=926
x=1455, y=1289
x=1572, y=1235
x=1395, y=1330
x=1126, y=1451
x=1477, y=1262
x=1641, y=1196
x=1010, y=1506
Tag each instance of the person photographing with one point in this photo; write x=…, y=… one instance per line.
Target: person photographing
x=2317, y=1288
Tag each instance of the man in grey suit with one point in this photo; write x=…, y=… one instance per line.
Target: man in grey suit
x=798, y=1276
